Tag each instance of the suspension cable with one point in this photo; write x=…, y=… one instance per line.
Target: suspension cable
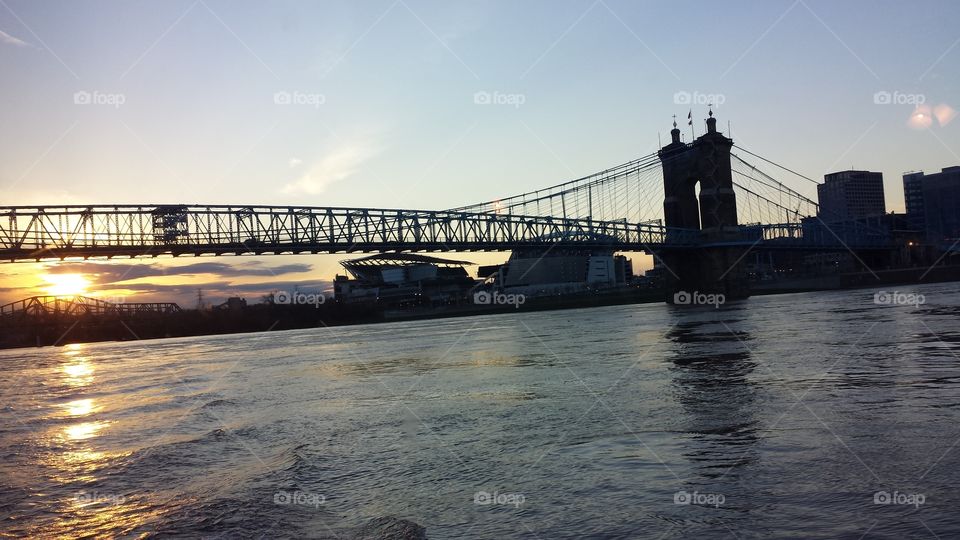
x=776, y=164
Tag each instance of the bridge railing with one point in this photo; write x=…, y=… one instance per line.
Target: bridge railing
x=51, y=232
x=813, y=232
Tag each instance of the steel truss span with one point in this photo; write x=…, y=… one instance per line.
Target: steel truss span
x=38, y=233
x=39, y=306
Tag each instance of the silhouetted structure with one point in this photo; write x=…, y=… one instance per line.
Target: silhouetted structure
x=403, y=279
x=710, y=266
x=933, y=203
x=69, y=306
x=706, y=161
x=537, y=272
x=53, y=320
x=649, y=204
x=851, y=195
x=913, y=200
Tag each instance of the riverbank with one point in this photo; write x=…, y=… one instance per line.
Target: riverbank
x=39, y=332
x=859, y=280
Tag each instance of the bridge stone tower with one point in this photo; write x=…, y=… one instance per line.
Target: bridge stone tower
x=716, y=264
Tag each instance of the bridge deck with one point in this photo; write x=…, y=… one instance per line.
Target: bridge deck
x=37, y=233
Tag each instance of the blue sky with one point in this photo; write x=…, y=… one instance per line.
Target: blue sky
x=186, y=95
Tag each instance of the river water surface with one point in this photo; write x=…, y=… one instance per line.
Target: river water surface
x=821, y=415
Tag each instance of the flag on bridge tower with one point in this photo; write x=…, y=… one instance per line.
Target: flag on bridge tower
x=690, y=118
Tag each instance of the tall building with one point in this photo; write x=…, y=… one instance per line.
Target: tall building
x=851, y=195
x=933, y=203
x=913, y=200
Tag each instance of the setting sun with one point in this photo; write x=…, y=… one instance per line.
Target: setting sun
x=66, y=284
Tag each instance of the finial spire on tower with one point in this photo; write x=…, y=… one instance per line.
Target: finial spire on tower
x=711, y=121
x=675, y=132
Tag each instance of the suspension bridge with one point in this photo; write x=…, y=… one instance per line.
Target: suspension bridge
x=649, y=204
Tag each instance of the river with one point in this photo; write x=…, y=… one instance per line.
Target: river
x=818, y=415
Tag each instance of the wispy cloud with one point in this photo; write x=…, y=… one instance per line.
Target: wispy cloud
x=215, y=291
x=108, y=273
x=225, y=288
x=10, y=40
x=339, y=164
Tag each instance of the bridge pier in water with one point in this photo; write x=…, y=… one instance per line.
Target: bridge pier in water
x=717, y=264
x=709, y=270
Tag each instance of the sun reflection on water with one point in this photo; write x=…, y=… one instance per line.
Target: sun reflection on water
x=77, y=371
x=86, y=430
x=75, y=455
x=80, y=407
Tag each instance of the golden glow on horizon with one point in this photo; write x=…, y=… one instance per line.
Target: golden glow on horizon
x=66, y=284
x=30, y=279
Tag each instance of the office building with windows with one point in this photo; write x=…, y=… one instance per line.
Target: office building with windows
x=933, y=203
x=851, y=195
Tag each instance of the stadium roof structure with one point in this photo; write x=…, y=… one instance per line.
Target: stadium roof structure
x=400, y=259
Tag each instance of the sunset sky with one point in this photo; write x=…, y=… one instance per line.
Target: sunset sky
x=177, y=102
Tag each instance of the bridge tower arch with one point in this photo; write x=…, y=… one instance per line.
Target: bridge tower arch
x=716, y=264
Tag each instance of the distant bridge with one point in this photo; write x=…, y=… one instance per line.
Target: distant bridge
x=77, y=306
